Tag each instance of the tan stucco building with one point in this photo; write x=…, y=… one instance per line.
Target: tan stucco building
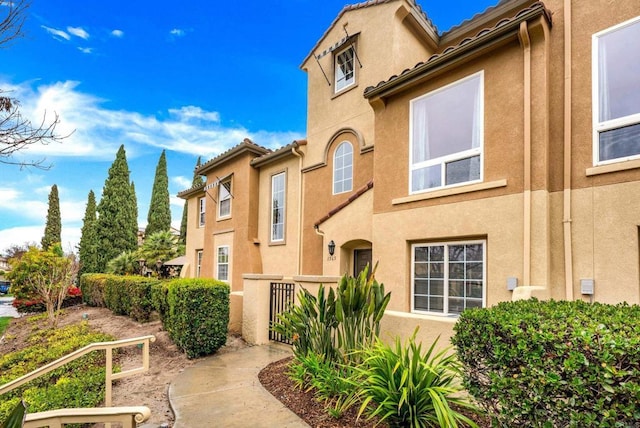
x=502, y=153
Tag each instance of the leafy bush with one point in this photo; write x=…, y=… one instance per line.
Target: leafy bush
x=124, y=295
x=159, y=299
x=198, y=315
x=79, y=383
x=410, y=388
x=92, y=286
x=332, y=327
x=555, y=363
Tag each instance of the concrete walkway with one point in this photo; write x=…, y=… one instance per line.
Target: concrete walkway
x=224, y=391
x=6, y=309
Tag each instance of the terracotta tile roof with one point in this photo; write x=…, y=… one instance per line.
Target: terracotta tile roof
x=277, y=154
x=469, y=43
x=477, y=16
x=361, y=191
x=362, y=5
x=184, y=194
x=244, y=146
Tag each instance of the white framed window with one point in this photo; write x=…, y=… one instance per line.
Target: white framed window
x=202, y=207
x=343, y=168
x=448, y=277
x=616, y=93
x=446, y=136
x=345, y=71
x=198, y=263
x=222, y=265
x=278, y=189
x=224, y=199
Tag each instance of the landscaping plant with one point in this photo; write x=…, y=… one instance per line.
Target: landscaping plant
x=553, y=363
x=408, y=388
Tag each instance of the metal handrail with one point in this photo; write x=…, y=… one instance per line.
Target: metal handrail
x=108, y=347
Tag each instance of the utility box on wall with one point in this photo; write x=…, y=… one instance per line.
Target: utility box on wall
x=587, y=286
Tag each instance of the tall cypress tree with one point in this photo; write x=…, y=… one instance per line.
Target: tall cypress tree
x=88, y=247
x=159, y=216
x=53, y=227
x=197, y=180
x=117, y=225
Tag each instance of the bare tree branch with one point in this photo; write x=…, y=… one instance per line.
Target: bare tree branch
x=16, y=132
x=11, y=24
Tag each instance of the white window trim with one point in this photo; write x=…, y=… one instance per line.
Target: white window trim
x=202, y=209
x=220, y=186
x=445, y=312
x=333, y=182
x=199, y=257
x=335, y=69
x=598, y=126
x=284, y=207
x=455, y=156
x=227, y=263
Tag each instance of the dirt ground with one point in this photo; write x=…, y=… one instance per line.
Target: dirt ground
x=148, y=389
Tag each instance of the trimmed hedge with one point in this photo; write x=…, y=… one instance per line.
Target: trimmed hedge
x=124, y=295
x=197, y=318
x=553, y=363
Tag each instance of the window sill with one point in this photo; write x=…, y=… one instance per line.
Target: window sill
x=450, y=319
x=277, y=243
x=613, y=167
x=451, y=191
x=344, y=90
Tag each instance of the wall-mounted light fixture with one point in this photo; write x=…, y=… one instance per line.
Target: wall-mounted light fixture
x=332, y=247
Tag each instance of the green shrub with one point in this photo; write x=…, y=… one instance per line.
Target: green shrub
x=159, y=300
x=79, y=383
x=124, y=295
x=335, y=325
x=555, y=363
x=92, y=287
x=198, y=315
x=410, y=388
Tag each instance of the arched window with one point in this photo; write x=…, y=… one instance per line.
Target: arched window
x=343, y=168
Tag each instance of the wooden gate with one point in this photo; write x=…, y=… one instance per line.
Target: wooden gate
x=282, y=295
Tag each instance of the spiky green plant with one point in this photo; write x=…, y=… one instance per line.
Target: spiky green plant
x=408, y=388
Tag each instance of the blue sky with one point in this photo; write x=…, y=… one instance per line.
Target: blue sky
x=193, y=77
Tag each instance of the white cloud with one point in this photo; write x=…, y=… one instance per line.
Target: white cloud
x=179, y=181
x=56, y=33
x=78, y=32
x=188, y=129
x=176, y=201
x=70, y=236
x=117, y=33
x=192, y=112
x=176, y=32
x=85, y=50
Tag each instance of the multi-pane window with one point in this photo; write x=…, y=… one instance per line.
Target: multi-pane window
x=343, y=168
x=616, y=93
x=201, y=211
x=344, y=69
x=277, y=207
x=222, y=265
x=198, y=263
x=448, y=278
x=447, y=135
x=224, y=199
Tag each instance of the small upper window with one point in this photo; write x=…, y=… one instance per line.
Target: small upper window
x=616, y=93
x=277, y=207
x=224, y=199
x=201, y=211
x=343, y=168
x=345, y=71
x=446, y=135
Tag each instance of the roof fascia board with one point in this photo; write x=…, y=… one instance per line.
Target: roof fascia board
x=487, y=41
x=186, y=194
x=274, y=156
x=225, y=157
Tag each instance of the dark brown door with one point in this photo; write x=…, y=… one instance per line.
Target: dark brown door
x=361, y=258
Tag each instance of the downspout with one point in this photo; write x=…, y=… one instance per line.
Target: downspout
x=525, y=40
x=568, y=253
x=299, y=155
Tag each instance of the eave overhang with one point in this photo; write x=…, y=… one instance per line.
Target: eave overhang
x=505, y=30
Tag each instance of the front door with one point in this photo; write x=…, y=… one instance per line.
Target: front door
x=361, y=258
